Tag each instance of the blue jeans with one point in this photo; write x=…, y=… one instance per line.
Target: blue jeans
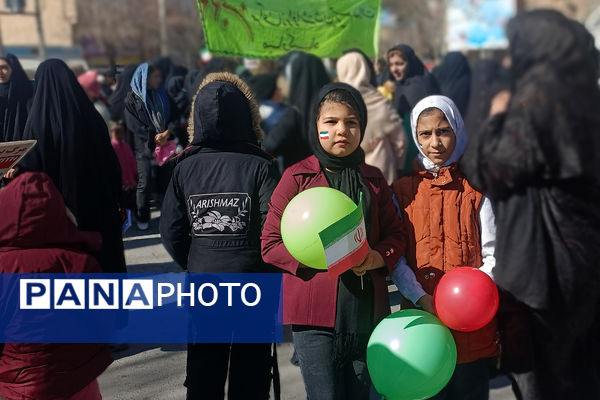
x=323, y=378
x=470, y=381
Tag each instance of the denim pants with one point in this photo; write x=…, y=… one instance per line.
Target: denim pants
x=323, y=378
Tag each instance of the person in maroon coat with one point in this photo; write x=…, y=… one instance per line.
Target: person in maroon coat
x=332, y=319
x=37, y=236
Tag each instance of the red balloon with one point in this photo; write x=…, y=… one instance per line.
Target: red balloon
x=466, y=299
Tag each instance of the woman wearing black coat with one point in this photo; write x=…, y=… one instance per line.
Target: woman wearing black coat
x=148, y=114
x=538, y=162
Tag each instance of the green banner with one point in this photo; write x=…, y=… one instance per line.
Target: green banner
x=271, y=28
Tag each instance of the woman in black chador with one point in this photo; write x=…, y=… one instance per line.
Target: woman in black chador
x=73, y=148
x=538, y=161
x=454, y=78
x=15, y=92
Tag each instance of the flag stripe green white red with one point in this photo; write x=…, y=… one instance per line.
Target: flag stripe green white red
x=345, y=242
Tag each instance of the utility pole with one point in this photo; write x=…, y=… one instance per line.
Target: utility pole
x=1, y=42
x=40, y=30
x=162, y=20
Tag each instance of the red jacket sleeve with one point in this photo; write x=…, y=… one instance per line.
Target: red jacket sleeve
x=272, y=247
x=392, y=232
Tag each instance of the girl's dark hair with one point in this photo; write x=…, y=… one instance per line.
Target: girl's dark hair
x=340, y=96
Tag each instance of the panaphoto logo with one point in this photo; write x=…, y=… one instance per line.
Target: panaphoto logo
x=134, y=294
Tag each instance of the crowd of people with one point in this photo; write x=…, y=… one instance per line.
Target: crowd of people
x=491, y=165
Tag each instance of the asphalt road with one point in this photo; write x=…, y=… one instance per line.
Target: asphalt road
x=157, y=371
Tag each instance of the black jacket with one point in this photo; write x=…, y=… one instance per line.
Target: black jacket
x=217, y=200
x=214, y=209
x=140, y=126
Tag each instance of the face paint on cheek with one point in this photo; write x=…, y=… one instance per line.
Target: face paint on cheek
x=324, y=135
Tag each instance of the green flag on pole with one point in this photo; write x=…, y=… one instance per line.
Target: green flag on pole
x=271, y=28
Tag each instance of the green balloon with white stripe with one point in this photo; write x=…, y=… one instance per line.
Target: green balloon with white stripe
x=306, y=215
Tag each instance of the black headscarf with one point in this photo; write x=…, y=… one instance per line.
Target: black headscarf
x=487, y=79
x=415, y=65
x=417, y=83
x=178, y=94
x=178, y=70
x=347, y=177
x=554, y=99
x=14, y=96
x=306, y=74
x=73, y=148
x=454, y=77
x=211, y=122
x=263, y=85
x=165, y=65
x=188, y=83
x=116, y=101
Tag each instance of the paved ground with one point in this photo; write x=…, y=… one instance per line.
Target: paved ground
x=157, y=371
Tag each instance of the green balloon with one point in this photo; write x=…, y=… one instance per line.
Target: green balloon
x=411, y=355
x=307, y=214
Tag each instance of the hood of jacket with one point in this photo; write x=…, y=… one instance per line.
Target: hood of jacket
x=224, y=112
x=33, y=215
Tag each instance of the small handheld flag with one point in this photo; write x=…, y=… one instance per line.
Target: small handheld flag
x=12, y=152
x=345, y=242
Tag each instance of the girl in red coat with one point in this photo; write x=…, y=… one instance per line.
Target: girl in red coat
x=37, y=236
x=332, y=319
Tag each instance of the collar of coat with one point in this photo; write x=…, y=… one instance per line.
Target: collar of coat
x=310, y=165
x=444, y=176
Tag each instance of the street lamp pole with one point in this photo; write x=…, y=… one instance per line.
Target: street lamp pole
x=162, y=17
x=40, y=30
x=1, y=42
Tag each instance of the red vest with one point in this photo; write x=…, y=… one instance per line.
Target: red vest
x=441, y=215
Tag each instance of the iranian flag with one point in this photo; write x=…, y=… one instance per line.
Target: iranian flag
x=345, y=242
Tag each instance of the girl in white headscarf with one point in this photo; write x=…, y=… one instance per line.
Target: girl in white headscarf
x=450, y=225
x=384, y=141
